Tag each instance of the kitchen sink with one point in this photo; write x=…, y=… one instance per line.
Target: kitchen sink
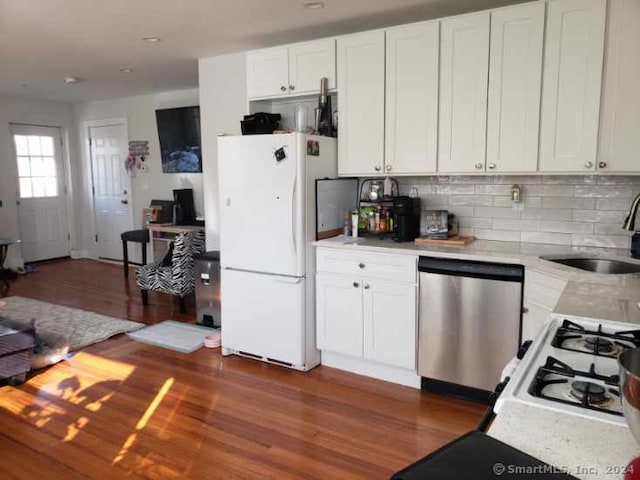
x=598, y=265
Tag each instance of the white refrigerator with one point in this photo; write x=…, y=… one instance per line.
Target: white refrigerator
x=267, y=226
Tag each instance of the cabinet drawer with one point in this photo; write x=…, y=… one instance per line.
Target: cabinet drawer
x=398, y=268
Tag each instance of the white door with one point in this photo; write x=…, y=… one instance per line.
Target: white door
x=390, y=323
x=464, y=68
x=361, y=104
x=261, y=207
x=42, y=211
x=620, y=114
x=263, y=315
x=571, y=85
x=339, y=322
x=111, y=188
x=411, y=126
x=268, y=72
x=309, y=62
x=515, y=78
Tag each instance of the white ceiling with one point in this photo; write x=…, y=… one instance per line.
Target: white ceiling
x=43, y=41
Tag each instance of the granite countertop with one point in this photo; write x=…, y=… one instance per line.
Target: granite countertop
x=595, y=295
x=587, y=449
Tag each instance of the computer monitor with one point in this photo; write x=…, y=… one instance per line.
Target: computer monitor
x=185, y=208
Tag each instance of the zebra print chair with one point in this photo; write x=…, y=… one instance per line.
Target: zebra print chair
x=177, y=277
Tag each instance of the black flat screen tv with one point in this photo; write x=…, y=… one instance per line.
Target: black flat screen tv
x=179, y=132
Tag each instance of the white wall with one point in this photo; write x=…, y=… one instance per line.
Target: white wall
x=223, y=102
x=141, y=120
x=31, y=112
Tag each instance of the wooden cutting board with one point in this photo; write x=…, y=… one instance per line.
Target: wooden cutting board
x=456, y=241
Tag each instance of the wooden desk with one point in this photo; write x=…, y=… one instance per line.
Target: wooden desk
x=166, y=233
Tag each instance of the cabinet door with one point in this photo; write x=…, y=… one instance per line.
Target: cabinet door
x=411, y=125
x=339, y=314
x=571, y=85
x=515, y=77
x=390, y=323
x=268, y=72
x=620, y=121
x=464, y=68
x=361, y=104
x=309, y=62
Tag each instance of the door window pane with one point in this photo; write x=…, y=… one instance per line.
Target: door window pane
x=34, y=145
x=24, y=167
x=22, y=146
x=25, y=188
x=37, y=170
x=47, y=146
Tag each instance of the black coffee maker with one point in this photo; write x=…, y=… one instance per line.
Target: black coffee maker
x=406, y=216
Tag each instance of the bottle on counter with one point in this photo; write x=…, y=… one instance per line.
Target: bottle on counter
x=346, y=227
x=354, y=223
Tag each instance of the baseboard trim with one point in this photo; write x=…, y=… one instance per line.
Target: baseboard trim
x=371, y=369
x=77, y=254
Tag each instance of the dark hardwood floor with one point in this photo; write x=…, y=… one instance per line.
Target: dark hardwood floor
x=121, y=409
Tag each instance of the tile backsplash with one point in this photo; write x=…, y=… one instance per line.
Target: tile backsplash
x=580, y=210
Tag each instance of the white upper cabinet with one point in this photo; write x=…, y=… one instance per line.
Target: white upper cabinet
x=268, y=72
x=571, y=85
x=411, y=124
x=464, y=65
x=515, y=76
x=291, y=70
x=361, y=103
x=620, y=120
x=309, y=62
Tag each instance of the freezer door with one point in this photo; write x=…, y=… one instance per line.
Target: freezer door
x=264, y=315
x=261, y=224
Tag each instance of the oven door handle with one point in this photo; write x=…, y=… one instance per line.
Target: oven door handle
x=488, y=415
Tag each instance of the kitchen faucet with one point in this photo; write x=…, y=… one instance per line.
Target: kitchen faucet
x=630, y=222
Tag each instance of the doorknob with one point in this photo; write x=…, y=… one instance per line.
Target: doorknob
x=124, y=202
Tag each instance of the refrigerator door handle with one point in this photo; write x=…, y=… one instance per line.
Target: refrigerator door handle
x=293, y=217
x=289, y=280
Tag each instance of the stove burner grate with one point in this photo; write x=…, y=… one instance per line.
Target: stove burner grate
x=576, y=338
x=581, y=393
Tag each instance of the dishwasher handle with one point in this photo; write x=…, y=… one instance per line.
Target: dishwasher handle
x=471, y=268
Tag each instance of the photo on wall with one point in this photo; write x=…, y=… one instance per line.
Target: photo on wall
x=179, y=132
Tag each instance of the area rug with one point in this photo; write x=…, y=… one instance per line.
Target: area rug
x=178, y=336
x=81, y=327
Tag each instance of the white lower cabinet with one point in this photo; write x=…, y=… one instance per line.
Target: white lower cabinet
x=390, y=323
x=339, y=314
x=364, y=317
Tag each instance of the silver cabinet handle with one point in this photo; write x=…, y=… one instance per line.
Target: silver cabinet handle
x=478, y=166
x=492, y=166
x=588, y=165
x=356, y=284
x=292, y=87
x=283, y=88
x=378, y=168
x=366, y=286
x=602, y=165
x=361, y=265
x=388, y=167
x=525, y=310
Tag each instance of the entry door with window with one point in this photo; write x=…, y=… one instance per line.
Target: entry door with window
x=42, y=212
x=111, y=188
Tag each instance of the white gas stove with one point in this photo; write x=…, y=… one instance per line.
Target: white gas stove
x=572, y=367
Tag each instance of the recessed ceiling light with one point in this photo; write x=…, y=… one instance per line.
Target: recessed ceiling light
x=71, y=80
x=151, y=39
x=125, y=70
x=313, y=5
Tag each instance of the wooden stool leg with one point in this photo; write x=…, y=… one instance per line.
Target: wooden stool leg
x=125, y=258
x=183, y=304
x=144, y=253
x=145, y=297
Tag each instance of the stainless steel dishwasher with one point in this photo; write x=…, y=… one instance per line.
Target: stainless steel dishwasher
x=470, y=319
